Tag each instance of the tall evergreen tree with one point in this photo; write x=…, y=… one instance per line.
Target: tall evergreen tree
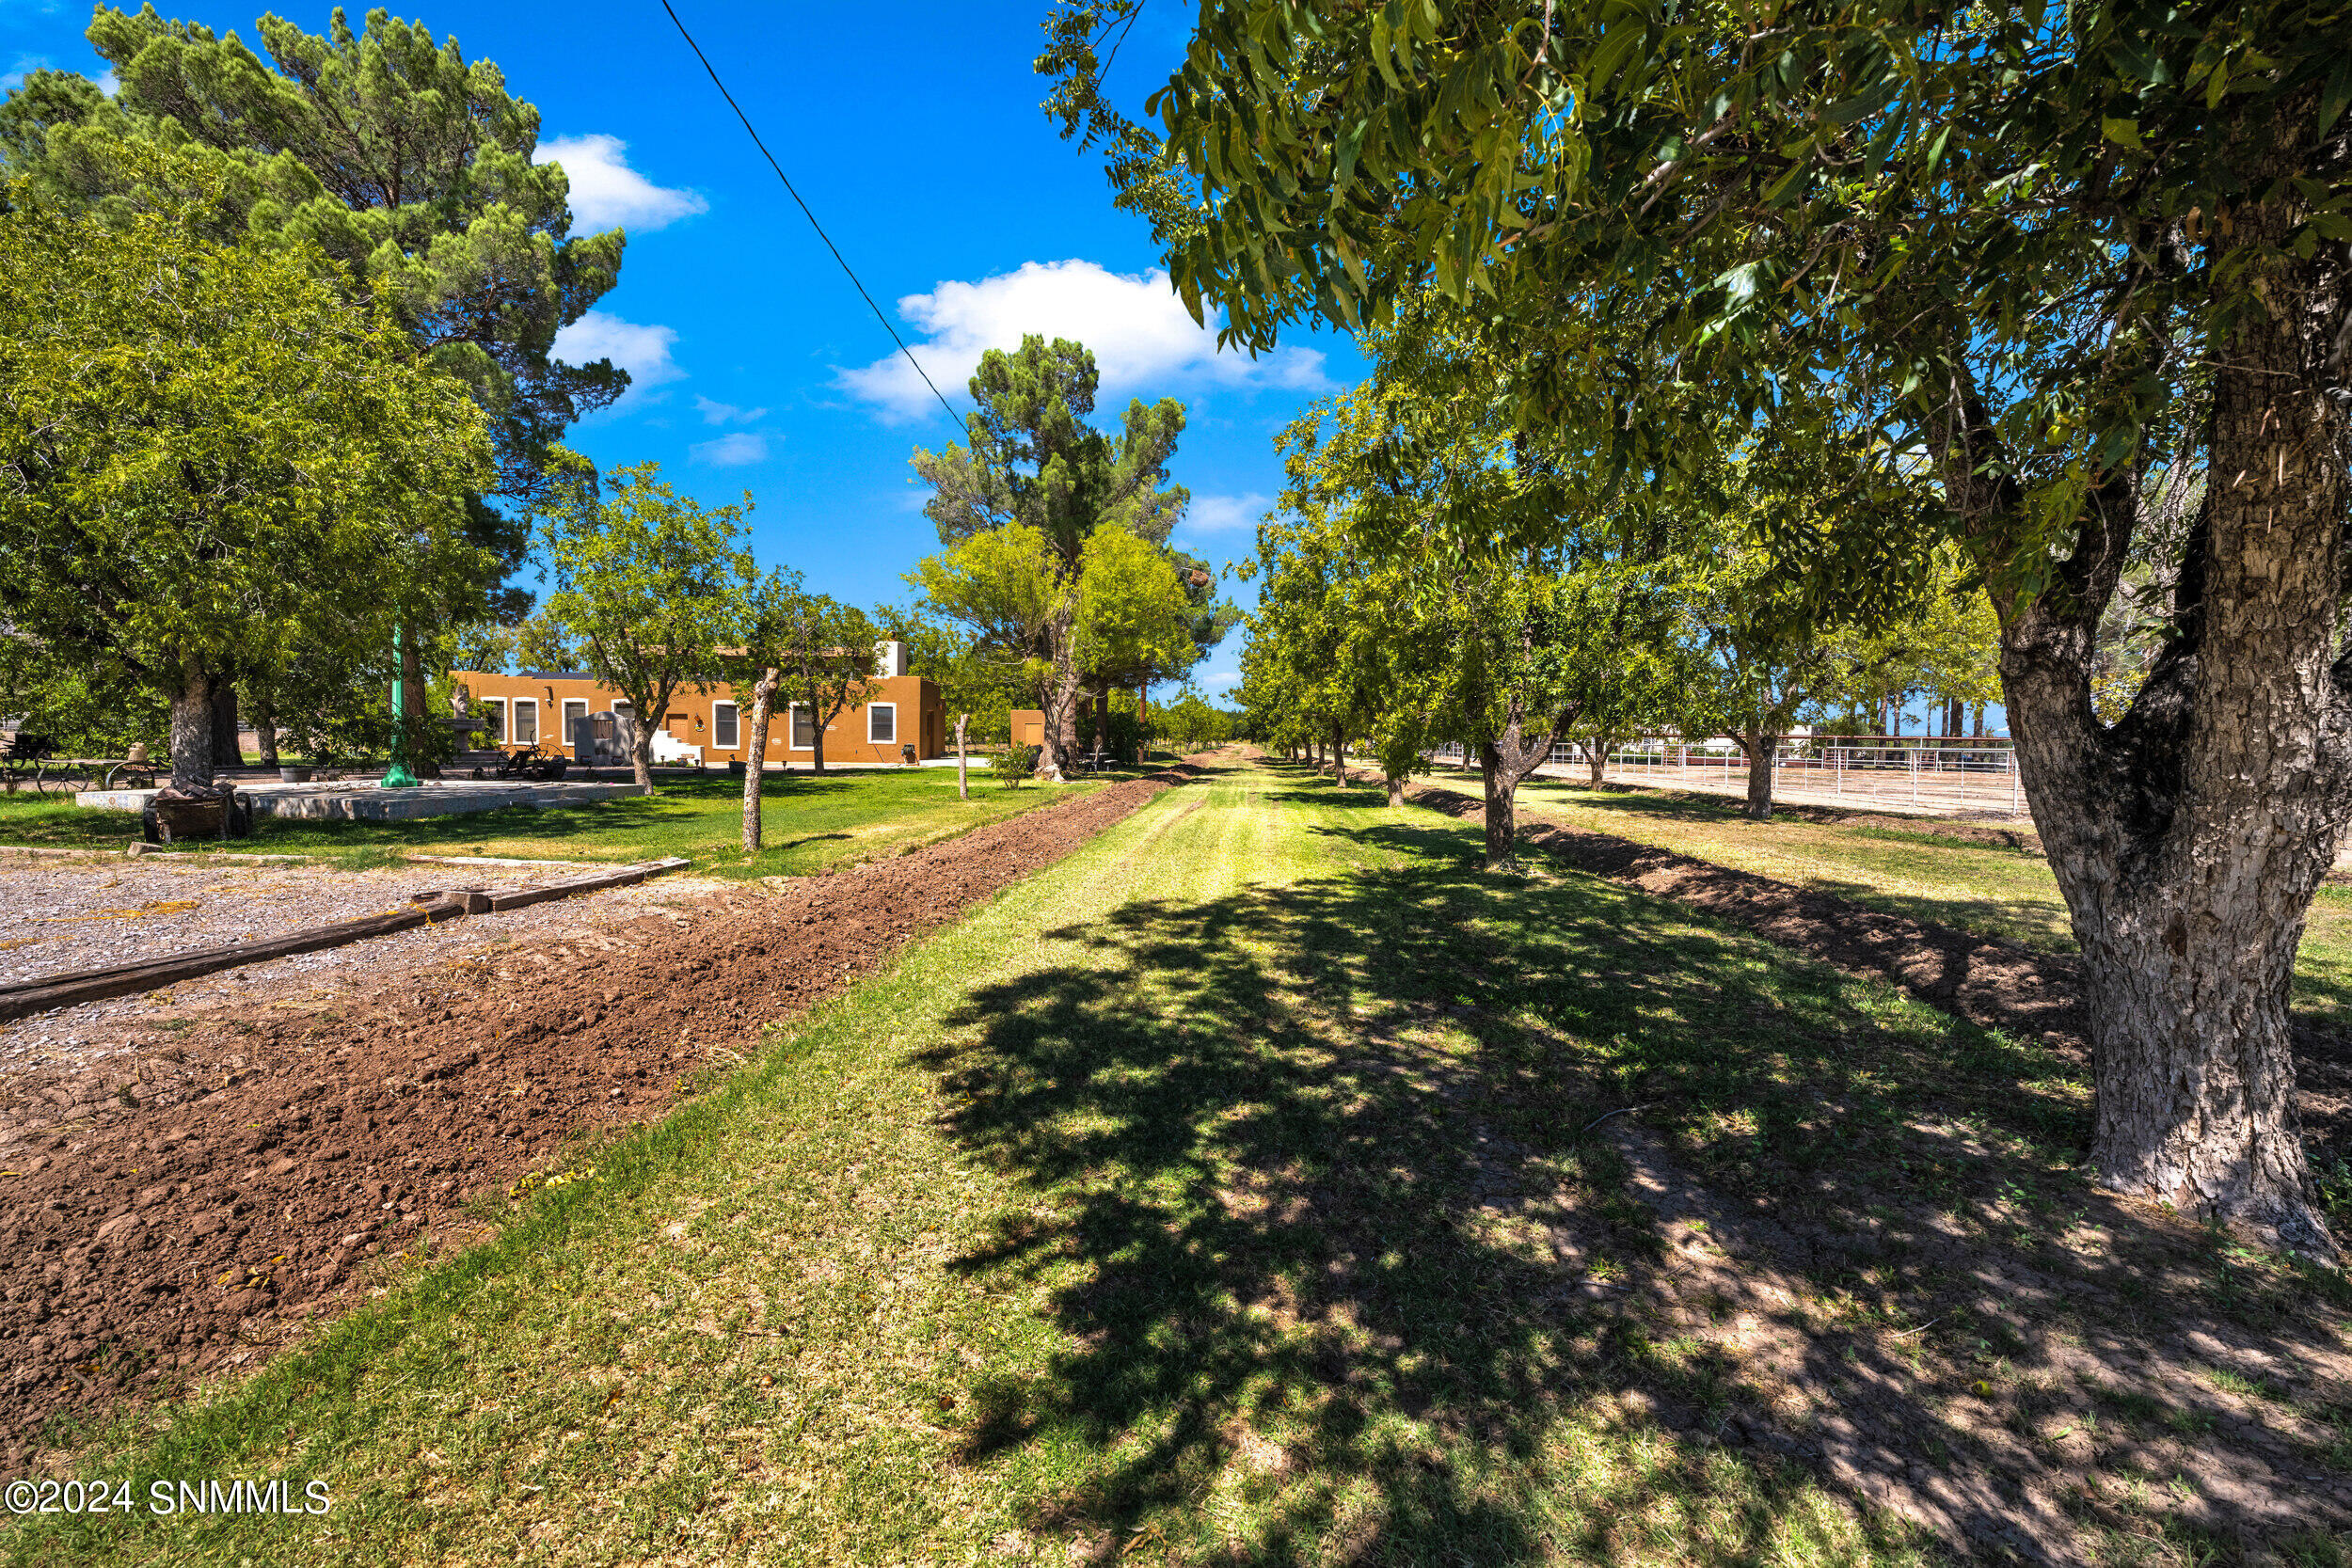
x=1034, y=461
x=406, y=162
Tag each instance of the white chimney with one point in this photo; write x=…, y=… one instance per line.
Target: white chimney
x=890, y=658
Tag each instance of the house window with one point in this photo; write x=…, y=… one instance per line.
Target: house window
x=722, y=726
x=804, y=728
x=494, y=720
x=882, y=723
x=525, y=721
x=574, y=709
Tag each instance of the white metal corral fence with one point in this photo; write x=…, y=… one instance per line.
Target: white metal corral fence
x=1962, y=774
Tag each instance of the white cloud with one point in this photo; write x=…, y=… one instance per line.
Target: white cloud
x=725, y=412
x=643, y=350
x=25, y=65
x=1223, y=677
x=730, y=451
x=608, y=194
x=1221, y=513
x=1140, y=334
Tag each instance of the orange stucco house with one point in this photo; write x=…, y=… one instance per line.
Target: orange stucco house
x=710, y=726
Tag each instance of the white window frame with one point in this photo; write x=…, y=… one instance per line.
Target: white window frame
x=514, y=735
x=735, y=717
x=873, y=739
x=563, y=730
x=496, y=706
x=792, y=727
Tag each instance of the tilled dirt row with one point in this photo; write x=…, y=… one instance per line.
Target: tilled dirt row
x=181, y=1209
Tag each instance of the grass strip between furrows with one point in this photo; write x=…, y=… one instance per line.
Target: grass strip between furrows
x=1991, y=889
x=812, y=823
x=1227, y=1190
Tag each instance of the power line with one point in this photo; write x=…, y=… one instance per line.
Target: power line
x=846, y=268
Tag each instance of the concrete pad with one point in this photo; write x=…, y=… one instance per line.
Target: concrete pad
x=367, y=802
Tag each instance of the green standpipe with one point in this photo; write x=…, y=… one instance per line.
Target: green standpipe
x=399, y=775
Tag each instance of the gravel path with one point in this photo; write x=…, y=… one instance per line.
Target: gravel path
x=57, y=916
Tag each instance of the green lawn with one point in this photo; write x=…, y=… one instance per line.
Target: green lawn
x=1185, y=1204
x=809, y=823
x=1989, y=889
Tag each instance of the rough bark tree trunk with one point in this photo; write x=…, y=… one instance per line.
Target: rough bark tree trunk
x=192, y=727
x=420, y=757
x=1504, y=761
x=641, y=757
x=1339, y=755
x=1760, y=750
x=963, y=788
x=265, y=727
x=2189, y=837
x=763, y=711
x=228, y=749
x=1597, y=758
x=1061, y=698
x=1396, y=788
x=1502, y=819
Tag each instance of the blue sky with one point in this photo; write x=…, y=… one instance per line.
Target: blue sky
x=913, y=131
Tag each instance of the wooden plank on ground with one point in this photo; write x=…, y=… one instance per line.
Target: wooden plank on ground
x=43, y=992
x=621, y=876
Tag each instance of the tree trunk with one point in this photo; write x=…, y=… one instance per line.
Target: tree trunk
x=1975, y=721
x=1504, y=761
x=1396, y=789
x=2189, y=838
x=1339, y=755
x=1597, y=758
x=641, y=757
x=1060, y=699
x=1503, y=818
x=754, y=770
x=228, y=749
x=1760, y=750
x=266, y=725
x=192, y=727
x=419, y=756
x=963, y=789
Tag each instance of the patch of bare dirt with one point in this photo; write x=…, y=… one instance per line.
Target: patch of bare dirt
x=189, y=1204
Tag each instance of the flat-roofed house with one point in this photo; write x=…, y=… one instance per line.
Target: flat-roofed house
x=710, y=726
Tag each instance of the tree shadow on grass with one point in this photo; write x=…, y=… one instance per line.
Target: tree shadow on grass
x=1349, y=1272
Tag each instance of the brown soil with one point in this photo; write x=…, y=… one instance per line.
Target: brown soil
x=186, y=1206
